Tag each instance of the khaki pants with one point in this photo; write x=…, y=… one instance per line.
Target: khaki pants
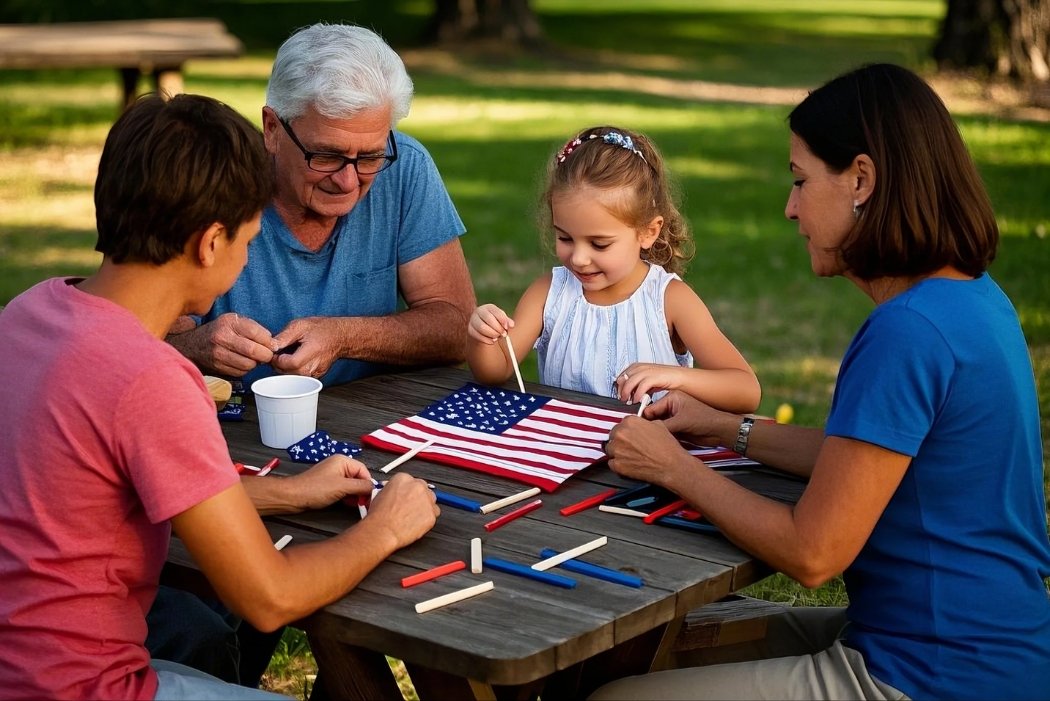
x=800, y=658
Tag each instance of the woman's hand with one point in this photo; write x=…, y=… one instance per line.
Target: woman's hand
x=646, y=451
x=692, y=420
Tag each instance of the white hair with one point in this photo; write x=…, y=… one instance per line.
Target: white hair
x=339, y=70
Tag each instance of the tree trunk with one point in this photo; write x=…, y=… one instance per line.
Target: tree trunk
x=1007, y=37
x=512, y=21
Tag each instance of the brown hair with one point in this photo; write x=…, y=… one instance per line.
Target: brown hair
x=598, y=158
x=170, y=169
x=929, y=207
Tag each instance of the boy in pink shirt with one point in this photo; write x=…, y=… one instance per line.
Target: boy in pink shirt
x=108, y=437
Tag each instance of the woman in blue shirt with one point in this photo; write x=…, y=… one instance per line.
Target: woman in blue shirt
x=926, y=485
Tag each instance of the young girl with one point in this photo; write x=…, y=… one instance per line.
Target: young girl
x=615, y=320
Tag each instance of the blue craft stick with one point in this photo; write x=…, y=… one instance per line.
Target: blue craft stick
x=595, y=571
x=526, y=571
x=690, y=525
x=458, y=502
x=642, y=501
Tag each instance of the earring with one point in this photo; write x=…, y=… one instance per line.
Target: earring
x=856, y=208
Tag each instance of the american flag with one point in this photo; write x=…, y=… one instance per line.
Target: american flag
x=527, y=437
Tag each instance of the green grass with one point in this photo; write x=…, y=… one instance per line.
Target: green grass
x=710, y=81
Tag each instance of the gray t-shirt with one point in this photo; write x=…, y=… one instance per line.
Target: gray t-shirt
x=406, y=214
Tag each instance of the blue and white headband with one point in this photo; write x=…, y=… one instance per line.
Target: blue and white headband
x=613, y=137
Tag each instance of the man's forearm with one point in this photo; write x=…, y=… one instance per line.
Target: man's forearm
x=430, y=334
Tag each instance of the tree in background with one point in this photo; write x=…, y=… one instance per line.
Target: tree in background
x=1006, y=37
x=511, y=21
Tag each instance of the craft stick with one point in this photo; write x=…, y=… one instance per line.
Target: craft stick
x=621, y=511
x=641, y=501
x=458, y=502
x=362, y=508
x=475, y=555
x=452, y=597
x=406, y=457
x=596, y=571
x=514, y=362
x=517, y=513
x=274, y=462
x=507, y=501
x=691, y=525
x=587, y=503
x=644, y=403
x=282, y=541
x=432, y=573
x=556, y=559
x=529, y=573
x=665, y=511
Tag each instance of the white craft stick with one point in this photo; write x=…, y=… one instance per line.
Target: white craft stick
x=621, y=511
x=544, y=565
x=644, y=403
x=507, y=501
x=475, y=555
x=514, y=362
x=362, y=509
x=452, y=597
x=282, y=541
x=406, y=457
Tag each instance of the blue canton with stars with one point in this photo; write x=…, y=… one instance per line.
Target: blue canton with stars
x=318, y=446
x=486, y=409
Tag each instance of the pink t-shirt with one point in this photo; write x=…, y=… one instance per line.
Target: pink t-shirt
x=106, y=433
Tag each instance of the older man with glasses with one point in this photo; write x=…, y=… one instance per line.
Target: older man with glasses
x=358, y=267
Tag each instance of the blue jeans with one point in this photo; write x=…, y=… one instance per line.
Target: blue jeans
x=176, y=682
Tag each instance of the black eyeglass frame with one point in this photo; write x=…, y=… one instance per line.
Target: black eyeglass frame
x=388, y=158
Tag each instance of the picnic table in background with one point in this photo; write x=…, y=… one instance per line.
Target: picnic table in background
x=158, y=47
x=524, y=637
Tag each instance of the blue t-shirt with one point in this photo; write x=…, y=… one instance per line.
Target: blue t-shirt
x=947, y=597
x=405, y=214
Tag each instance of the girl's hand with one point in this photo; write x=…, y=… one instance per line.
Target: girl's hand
x=488, y=323
x=646, y=378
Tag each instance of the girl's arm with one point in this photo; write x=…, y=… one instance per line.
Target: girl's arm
x=721, y=378
x=487, y=354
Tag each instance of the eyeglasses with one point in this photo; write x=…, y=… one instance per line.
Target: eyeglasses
x=334, y=162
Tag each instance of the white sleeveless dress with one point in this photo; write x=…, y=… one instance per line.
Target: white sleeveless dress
x=584, y=346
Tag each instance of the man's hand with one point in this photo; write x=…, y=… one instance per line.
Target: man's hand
x=692, y=420
x=231, y=345
x=643, y=450
x=314, y=343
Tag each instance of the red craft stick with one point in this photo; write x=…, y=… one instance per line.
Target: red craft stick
x=433, y=573
x=664, y=510
x=274, y=462
x=588, y=502
x=517, y=513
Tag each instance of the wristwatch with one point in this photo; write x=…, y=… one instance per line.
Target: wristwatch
x=742, y=435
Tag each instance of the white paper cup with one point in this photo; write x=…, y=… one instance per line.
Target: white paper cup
x=287, y=408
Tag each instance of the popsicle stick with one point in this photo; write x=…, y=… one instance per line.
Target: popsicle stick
x=433, y=573
x=544, y=565
x=644, y=403
x=500, y=565
x=666, y=510
x=514, y=362
x=507, y=501
x=452, y=597
x=517, y=513
x=406, y=457
x=282, y=541
x=621, y=511
x=588, y=502
x=580, y=567
x=475, y=555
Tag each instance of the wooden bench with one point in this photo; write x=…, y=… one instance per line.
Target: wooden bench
x=731, y=620
x=158, y=47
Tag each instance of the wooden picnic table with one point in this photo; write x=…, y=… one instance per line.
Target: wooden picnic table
x=524, y=638
x=158, y=47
